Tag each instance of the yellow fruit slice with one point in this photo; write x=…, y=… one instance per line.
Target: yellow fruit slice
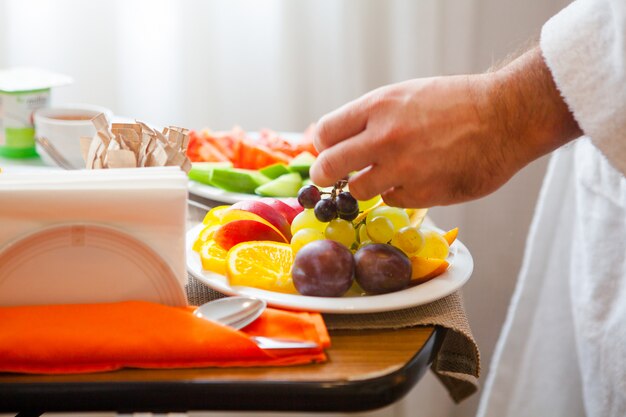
x=204, y=236
x=371, y=205
x=261, y=264
x=213, y=257
x=435, y=246
x=416, y=216
x=450, y=235
x=214, y=215
x=424, y=269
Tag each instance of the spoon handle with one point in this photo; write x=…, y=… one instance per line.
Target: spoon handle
x=275, y=343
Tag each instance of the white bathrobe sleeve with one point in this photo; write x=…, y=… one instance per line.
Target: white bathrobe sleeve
x=584, y=46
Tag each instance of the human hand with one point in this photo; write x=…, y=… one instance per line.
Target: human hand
x=443, y=140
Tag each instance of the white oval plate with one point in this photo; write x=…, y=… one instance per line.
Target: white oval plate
x=459, y=271
x=217, y=194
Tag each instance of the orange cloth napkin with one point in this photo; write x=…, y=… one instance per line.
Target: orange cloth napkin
x=59, y=339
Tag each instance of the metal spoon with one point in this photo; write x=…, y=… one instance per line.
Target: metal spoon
x=235, y=312
x=238, y=312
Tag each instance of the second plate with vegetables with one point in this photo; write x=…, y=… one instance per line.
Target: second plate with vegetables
x=235, y=166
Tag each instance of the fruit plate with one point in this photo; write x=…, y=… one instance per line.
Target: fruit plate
x=459, y=271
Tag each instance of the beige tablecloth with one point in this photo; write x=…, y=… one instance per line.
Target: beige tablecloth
x=457, y=364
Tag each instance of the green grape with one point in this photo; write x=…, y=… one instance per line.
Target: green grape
x=408, y=239
x=398, y=217
x=341, y=231
x=380, y=229
x=306, y=219
x=304, y=236
x=363, y=236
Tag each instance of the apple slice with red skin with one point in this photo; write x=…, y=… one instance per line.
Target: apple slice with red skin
x=286, y=210
x=245, y=230
x=293, y=203
x=267, y=213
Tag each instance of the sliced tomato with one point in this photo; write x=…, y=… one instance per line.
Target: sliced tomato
x=234, y=145
x=193, y=146
x=209, y=153
x=254, y=156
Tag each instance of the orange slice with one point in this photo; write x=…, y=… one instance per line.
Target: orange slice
x=204, y=236
x=451, y=235
x=213, y=257
x=424, y=269
x=214, y=215
x=261, y=264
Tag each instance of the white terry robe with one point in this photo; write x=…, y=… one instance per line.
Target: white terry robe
x=562, y=351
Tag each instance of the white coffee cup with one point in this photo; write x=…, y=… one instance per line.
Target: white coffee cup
x=63, y=126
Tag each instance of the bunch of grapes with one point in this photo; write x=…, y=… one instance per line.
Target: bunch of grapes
x=378, y=246
x=331, y=217
x=327, y=217
x=339, y=204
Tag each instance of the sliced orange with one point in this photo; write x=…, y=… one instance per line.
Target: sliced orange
x=205, y=235
x=214, y=215
x=213, y=257
x=451, y=235
x=424, y=269
x=261, y=264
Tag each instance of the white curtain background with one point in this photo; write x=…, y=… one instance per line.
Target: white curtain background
x=282, y=64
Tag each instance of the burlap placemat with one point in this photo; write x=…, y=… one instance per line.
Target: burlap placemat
x=457, y=364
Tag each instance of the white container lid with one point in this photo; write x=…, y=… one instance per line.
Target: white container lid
x=15, y=80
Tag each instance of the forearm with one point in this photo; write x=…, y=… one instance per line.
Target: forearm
x=529, y=107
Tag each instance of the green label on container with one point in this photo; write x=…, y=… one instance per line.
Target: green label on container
x=23, y=137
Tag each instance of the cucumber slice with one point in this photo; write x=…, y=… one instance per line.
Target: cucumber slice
x=237, y=180
x=302, y=163
x=275, y=170
x=201, y=171
x=286, y=185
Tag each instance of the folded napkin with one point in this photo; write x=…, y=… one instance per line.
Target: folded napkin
x=76, y=338
x=457, y=363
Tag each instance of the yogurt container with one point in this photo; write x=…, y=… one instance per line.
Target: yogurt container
x=22, y=92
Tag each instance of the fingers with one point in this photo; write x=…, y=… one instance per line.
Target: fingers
x=341, y=124
x=402, y=197
x=337, y=162
x=372, y=181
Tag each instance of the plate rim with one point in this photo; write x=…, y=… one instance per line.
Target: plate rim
x=388, y=303
x=169, y=290
x=217, y=194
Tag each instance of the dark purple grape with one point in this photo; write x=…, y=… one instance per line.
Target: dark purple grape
x=349, y=217
x=382, y=268
x=323, y=268
x=325, y=210
x=346, y=204
x=308, y=196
